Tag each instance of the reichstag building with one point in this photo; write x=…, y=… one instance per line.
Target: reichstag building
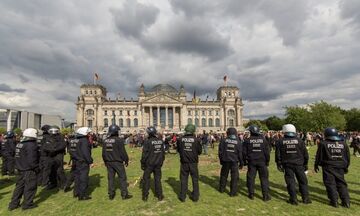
x=163, y=106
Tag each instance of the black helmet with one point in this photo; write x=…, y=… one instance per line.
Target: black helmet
x=332, y=134
x=45, y=129
x=114, y=130
x=10, y=134
x=254, y=130
x=151, y=131
x=54, y=130
x=231, y=131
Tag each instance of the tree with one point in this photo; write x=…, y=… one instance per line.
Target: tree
x=352, y=117
x=2, y=130
x=66, y=131
x=326, y=115
x=274, y=123
x=300, y=117
x=18, y=131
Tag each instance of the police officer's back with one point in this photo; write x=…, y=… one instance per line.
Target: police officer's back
x=115, y=157
x=257, y=156
x=189, y=148
x=8, y=153
x=333, y=156
x=291, y=157
x=152, y=159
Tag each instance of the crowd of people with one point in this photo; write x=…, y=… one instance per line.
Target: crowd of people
x=39, y=160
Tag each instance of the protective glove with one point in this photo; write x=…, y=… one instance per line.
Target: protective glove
x=346, y=170
x=316, y=168
x=280, y=167
x=143, y=166
x=126, y=163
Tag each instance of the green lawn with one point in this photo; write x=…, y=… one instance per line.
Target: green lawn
x=211, y=202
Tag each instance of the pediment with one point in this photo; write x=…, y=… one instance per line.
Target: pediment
x=162, y=98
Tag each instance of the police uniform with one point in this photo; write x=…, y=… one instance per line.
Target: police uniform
x=230, y=156
x=257, y=156
x=8, y=153
x=291, y=157
x=73, y=142
x=152, y=159
x=114, y=156
x=82, y=162
x=53, y=170
x=27, y=164
x=334, y=158
x=189, y=148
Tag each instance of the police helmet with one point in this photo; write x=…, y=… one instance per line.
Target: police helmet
x=113, y=130
x=231, y=131
x=190, y=129
x=29, y=134
x=151, y=131
x=10, y=134
x=83, y=131
x=254, y=130
x=289, y=130
x=331, y=134
x=45, y=128
x=53, y=130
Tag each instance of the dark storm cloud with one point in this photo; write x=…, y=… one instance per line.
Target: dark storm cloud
x=257, y=61
x=350, y=10
x=134, y=18
x=6, y=88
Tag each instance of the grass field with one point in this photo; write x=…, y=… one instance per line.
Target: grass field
x=211, y=202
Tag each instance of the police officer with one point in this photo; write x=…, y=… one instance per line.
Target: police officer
x=54, y=148
x=230, y=156
x=8, y=153
x=115, y=157
x=333, y=156
x=73, y=142
x=45, y=136
x=257, y=156
x=189, y=148
x=27, y=164
x=83, y=162
x=292, y=157
x=152, y=159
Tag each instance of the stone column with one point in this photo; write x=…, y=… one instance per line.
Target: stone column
x=142, y=116
x=173, y=119
x=158, y=117
x=151, y=117
x=8, y=122
x=166, y=118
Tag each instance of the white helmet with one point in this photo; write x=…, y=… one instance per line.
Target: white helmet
x=83, y=131
x=30, y=134
x=289, y=130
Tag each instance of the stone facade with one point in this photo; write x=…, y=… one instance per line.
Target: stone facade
x=163, y=106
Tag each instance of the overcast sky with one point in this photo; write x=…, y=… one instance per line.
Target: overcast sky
x=277, y=52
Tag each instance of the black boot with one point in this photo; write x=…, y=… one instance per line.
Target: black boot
x=111, y=196
x=251, y=196
x=145, y=198
x=161, y=197
x=266, y=198
x=293, y=201
x=307, y=200
x=346, y=204
x=334, y=204
x=127, y=196
x=83, y=198
x=29, y=207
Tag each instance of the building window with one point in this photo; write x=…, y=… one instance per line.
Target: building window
x=211, y=122
x=106, y=123
x=89, y=112
x=231, y=122
x=196, y=113
x=121, y=122
x=113, y=112
x=196, y=122
x=231, y=112
x=217, y=113
x=113, y=121
x=217, y=122
x=121, y=112
x=135, y=112
x=128, y=122
x=189, y=113
x=86, y=92
x=105, y=112
x=90, y=92
x=128, y=112
x=203, y=112
x=203, y=122
x=210, y=112
x=135, y=122
x=95, y=92
x=90, y=123
x=189, y=121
